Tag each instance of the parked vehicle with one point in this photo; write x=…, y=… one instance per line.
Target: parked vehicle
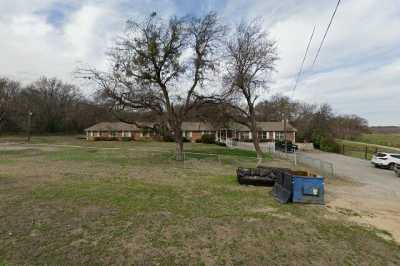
x=281, y=146
x=397, y=169
x=385, y=160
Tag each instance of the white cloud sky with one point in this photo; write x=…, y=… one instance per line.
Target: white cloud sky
x=358, y=70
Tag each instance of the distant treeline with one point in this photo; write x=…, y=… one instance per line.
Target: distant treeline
x=385, y=130
x=56, y=107
x=60, y=107
x=315, y=123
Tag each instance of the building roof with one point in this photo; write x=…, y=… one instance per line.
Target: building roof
x=113, y=126
x=264, y=126
x=197, y=126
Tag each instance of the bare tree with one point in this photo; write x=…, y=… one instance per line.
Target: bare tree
x=349, y=126
x=161, y=67
x=278, y=105
x=9, y=91
x=52, y=102
x=251, y=56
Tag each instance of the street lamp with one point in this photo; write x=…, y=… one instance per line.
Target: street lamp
x=29, y=125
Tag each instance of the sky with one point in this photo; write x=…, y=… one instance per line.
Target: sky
x=357, y=71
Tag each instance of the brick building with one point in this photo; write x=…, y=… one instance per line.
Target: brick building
x=193, y=131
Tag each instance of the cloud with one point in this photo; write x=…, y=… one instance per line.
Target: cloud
x=357, y=71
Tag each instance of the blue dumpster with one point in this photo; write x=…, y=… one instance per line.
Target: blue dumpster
x=308, y=189
x=283, y=187
x=299, y=187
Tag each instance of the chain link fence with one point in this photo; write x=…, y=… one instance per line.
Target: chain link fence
x=195, y=160
x=267, y=147
x=363, y=151
x=322, y=167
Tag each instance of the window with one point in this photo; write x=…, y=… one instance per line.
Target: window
x=264, y=135
x=112, y=133
x=380, y=155
x=126, y=134
x=244, y=135
x=279, y=135
x=396, y=156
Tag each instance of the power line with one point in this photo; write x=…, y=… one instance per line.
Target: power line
x=302, y=63
x=326, y=33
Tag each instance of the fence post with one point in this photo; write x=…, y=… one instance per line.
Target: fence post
x=366, y=152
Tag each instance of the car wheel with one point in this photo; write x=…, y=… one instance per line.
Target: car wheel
x=391, y=166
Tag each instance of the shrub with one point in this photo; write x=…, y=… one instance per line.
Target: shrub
x=207, y=139
x=126, y=139
x=104, y=138
x=266, y=140
x=328, y=144
x=168, y=138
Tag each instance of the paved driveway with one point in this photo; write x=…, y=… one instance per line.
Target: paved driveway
x=373, y=193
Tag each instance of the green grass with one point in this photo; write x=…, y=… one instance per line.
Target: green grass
x=391, y=140
x=362, y=150
x=80, y=206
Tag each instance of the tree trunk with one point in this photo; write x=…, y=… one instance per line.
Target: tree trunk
x=256, y=143
x=254, y=134
x=179, y=143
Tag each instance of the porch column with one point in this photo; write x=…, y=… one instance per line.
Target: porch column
x=250, y=135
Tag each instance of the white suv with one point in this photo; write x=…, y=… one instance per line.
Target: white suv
x=397, y=169
x=385, y=160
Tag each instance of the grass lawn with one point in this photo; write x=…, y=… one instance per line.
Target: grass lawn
x=391, y=140
x=131, y=203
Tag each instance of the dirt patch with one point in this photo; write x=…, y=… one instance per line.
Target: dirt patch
x=361, y=205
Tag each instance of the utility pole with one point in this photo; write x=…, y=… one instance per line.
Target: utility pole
x=285, y=131
x=29, y=125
